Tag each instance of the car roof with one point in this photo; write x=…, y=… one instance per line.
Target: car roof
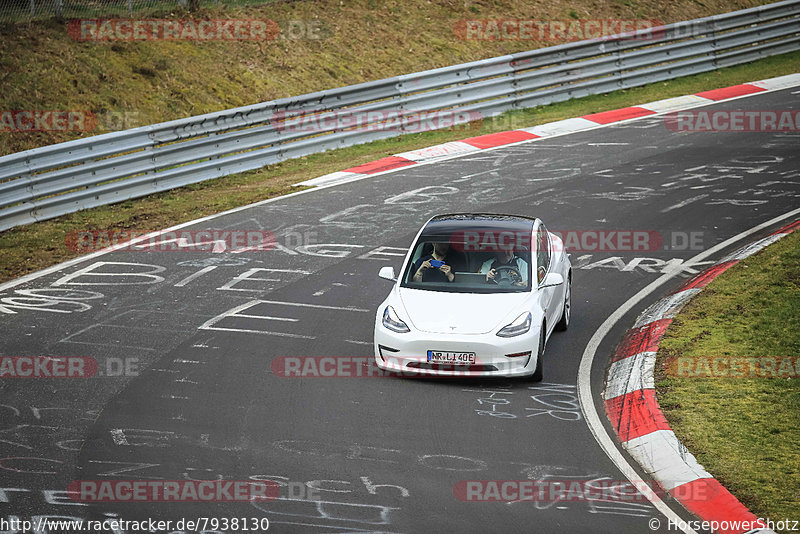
x=445, y=225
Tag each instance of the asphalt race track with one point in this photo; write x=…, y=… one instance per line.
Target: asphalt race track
x=199, y=332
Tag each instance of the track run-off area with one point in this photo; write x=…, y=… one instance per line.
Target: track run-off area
x=185, y=341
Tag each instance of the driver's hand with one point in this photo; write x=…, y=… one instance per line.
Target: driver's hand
x=491, y=274
x=425, y=265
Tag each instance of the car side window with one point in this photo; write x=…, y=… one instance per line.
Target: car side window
x=542, y=253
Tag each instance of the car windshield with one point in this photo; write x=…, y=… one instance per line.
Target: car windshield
x=471, y=259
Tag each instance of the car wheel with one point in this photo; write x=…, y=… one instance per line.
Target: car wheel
x=563, y=324
x=537, y=374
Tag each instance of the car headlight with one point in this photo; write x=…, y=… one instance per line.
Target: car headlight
x=393, y=322
x=519, y=326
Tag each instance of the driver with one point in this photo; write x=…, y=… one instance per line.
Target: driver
x=506, y=262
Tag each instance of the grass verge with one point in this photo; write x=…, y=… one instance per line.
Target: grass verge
x=322, y=44
x=744, y=431
x=36, y=246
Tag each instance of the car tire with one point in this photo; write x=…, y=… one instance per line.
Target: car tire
x=563, y=324
x=537, y=374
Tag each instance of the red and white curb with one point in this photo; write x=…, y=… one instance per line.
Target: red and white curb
x=631, y=405
x=543, y=131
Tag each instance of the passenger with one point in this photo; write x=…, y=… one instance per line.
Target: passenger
x=424, y=271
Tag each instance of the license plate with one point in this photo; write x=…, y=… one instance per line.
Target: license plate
x=455, y=358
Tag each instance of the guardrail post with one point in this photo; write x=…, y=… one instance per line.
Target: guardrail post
x=714, y=43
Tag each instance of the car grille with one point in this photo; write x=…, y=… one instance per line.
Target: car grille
x=450, y=367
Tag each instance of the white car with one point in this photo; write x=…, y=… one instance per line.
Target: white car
x=478, y=295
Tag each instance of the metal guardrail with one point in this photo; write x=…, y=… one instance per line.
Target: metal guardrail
x=54, y=180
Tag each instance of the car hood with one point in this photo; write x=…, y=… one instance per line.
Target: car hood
x=460, y=313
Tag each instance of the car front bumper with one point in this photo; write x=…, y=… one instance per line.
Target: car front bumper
x=407, y=353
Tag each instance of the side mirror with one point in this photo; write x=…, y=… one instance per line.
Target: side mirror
x=551, y=280
x=387, y=273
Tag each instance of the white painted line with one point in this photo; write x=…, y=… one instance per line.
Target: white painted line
x=250, y=331
x=126, y=327
x=114, y=345
x=165, y=370
x=229, y=313
x=187, y=361
x=268, y=318
x=182, y=242
x=630, y=374
x=608, y=144
x=83, y=330
x=355, y=342
x=294, y=271
x=39, y=308
x=379, y=252
x=247, y=276
x=264, y=246
x=198, y=274
x=683, y=203
x=185, y=381
x=585, y=395
x=339, y=308
x=235, y=312
x=795, y=80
